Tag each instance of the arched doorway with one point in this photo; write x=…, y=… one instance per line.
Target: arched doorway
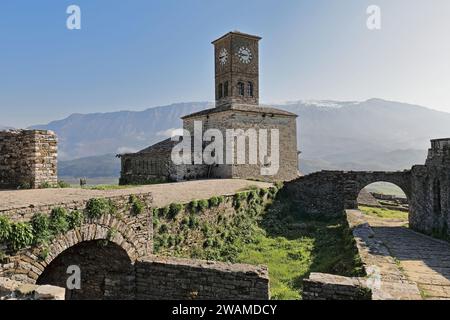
x=384, y=200
x=106, y=271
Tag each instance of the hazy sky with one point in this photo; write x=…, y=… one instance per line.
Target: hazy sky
x=140, y=53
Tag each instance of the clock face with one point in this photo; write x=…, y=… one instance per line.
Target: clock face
x=245, y=55
x=223, y=56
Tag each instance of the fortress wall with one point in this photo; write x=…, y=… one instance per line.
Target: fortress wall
x=173, y=278
x=320, y=193
x=28, y=158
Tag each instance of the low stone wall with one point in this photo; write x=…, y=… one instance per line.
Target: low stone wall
x=28, y=158
x=320, y=286
x=173, y=278
x=14, y=290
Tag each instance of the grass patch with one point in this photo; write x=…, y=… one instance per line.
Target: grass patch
x=290, y=244
x=104, y=187
x=384, y=213
x=293, y=246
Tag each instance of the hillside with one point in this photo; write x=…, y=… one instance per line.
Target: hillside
x=370, y=135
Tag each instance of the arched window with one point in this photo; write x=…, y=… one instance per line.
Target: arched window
x=250, y=89
x=220, y=93
x=225, y=89
x=241, y=89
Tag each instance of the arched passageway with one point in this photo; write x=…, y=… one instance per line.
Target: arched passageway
x=384, y=200
x=106, y=271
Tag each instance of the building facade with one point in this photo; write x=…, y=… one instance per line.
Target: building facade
x=237, y=110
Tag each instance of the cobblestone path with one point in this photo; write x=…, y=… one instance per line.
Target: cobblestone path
x=424, y=260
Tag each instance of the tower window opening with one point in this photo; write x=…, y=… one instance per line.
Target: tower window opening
x=220, y=94
x=250, y=89
x=241, y=89
x=225, y=89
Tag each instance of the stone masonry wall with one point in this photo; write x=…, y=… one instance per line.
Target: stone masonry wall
x=320, y=286
x=28, y=158
x=173, y=278
x=233, y=119
x=134, y=233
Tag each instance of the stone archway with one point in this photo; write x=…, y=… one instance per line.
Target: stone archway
x=94, y=270
x=31, y=264
x=384, y=200
x=354, y=182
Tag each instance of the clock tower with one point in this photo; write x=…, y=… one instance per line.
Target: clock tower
x=237, y=69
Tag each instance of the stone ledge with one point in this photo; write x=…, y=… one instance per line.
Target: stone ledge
x=321, y=286
x=15, y=290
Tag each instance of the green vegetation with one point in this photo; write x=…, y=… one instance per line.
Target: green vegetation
x=98, y=207
x=24, y=186
x=174, y=210
x=104, y=187
x=137, y=206
x=384, y=213
x=41, y=228
x=59, y=223
x=46, y=185
x=5, y=228
x=62, y=184
x=291, y=245
x=21, y=236
x=75, y=219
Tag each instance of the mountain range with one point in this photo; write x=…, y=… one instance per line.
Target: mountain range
x=370, y=135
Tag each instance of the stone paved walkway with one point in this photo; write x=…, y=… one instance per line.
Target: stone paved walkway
x=424, y=260
x=163, y=194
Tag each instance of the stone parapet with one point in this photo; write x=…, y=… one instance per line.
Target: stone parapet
x=174, y=278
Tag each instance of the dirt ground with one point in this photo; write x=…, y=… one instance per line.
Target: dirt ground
x=163, y=194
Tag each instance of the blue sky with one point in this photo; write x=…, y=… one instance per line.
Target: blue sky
x=130, y=55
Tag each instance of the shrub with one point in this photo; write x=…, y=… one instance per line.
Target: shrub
x=155, y=223
x=175, y=209
x=21, y=236
x=214, y=202
x=97, y=207
x=185, y=221
x=43, y=254
x=111, y=234
x=193, y=206
x=24, y=186
x=137, y=206
x=45, y=185
x=262, y=192
x=59, y=223
x=164, y=212
x=41, y=228
x=75, y=219
x=170, y=241
x=203, y=205
x=163, y=228
x=179, y=239
x=279, y=185
x=193, y=222
x=5, y=228
x=63, y=184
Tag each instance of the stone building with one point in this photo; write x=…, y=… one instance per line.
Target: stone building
x=28, y=158
x=237, y=110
